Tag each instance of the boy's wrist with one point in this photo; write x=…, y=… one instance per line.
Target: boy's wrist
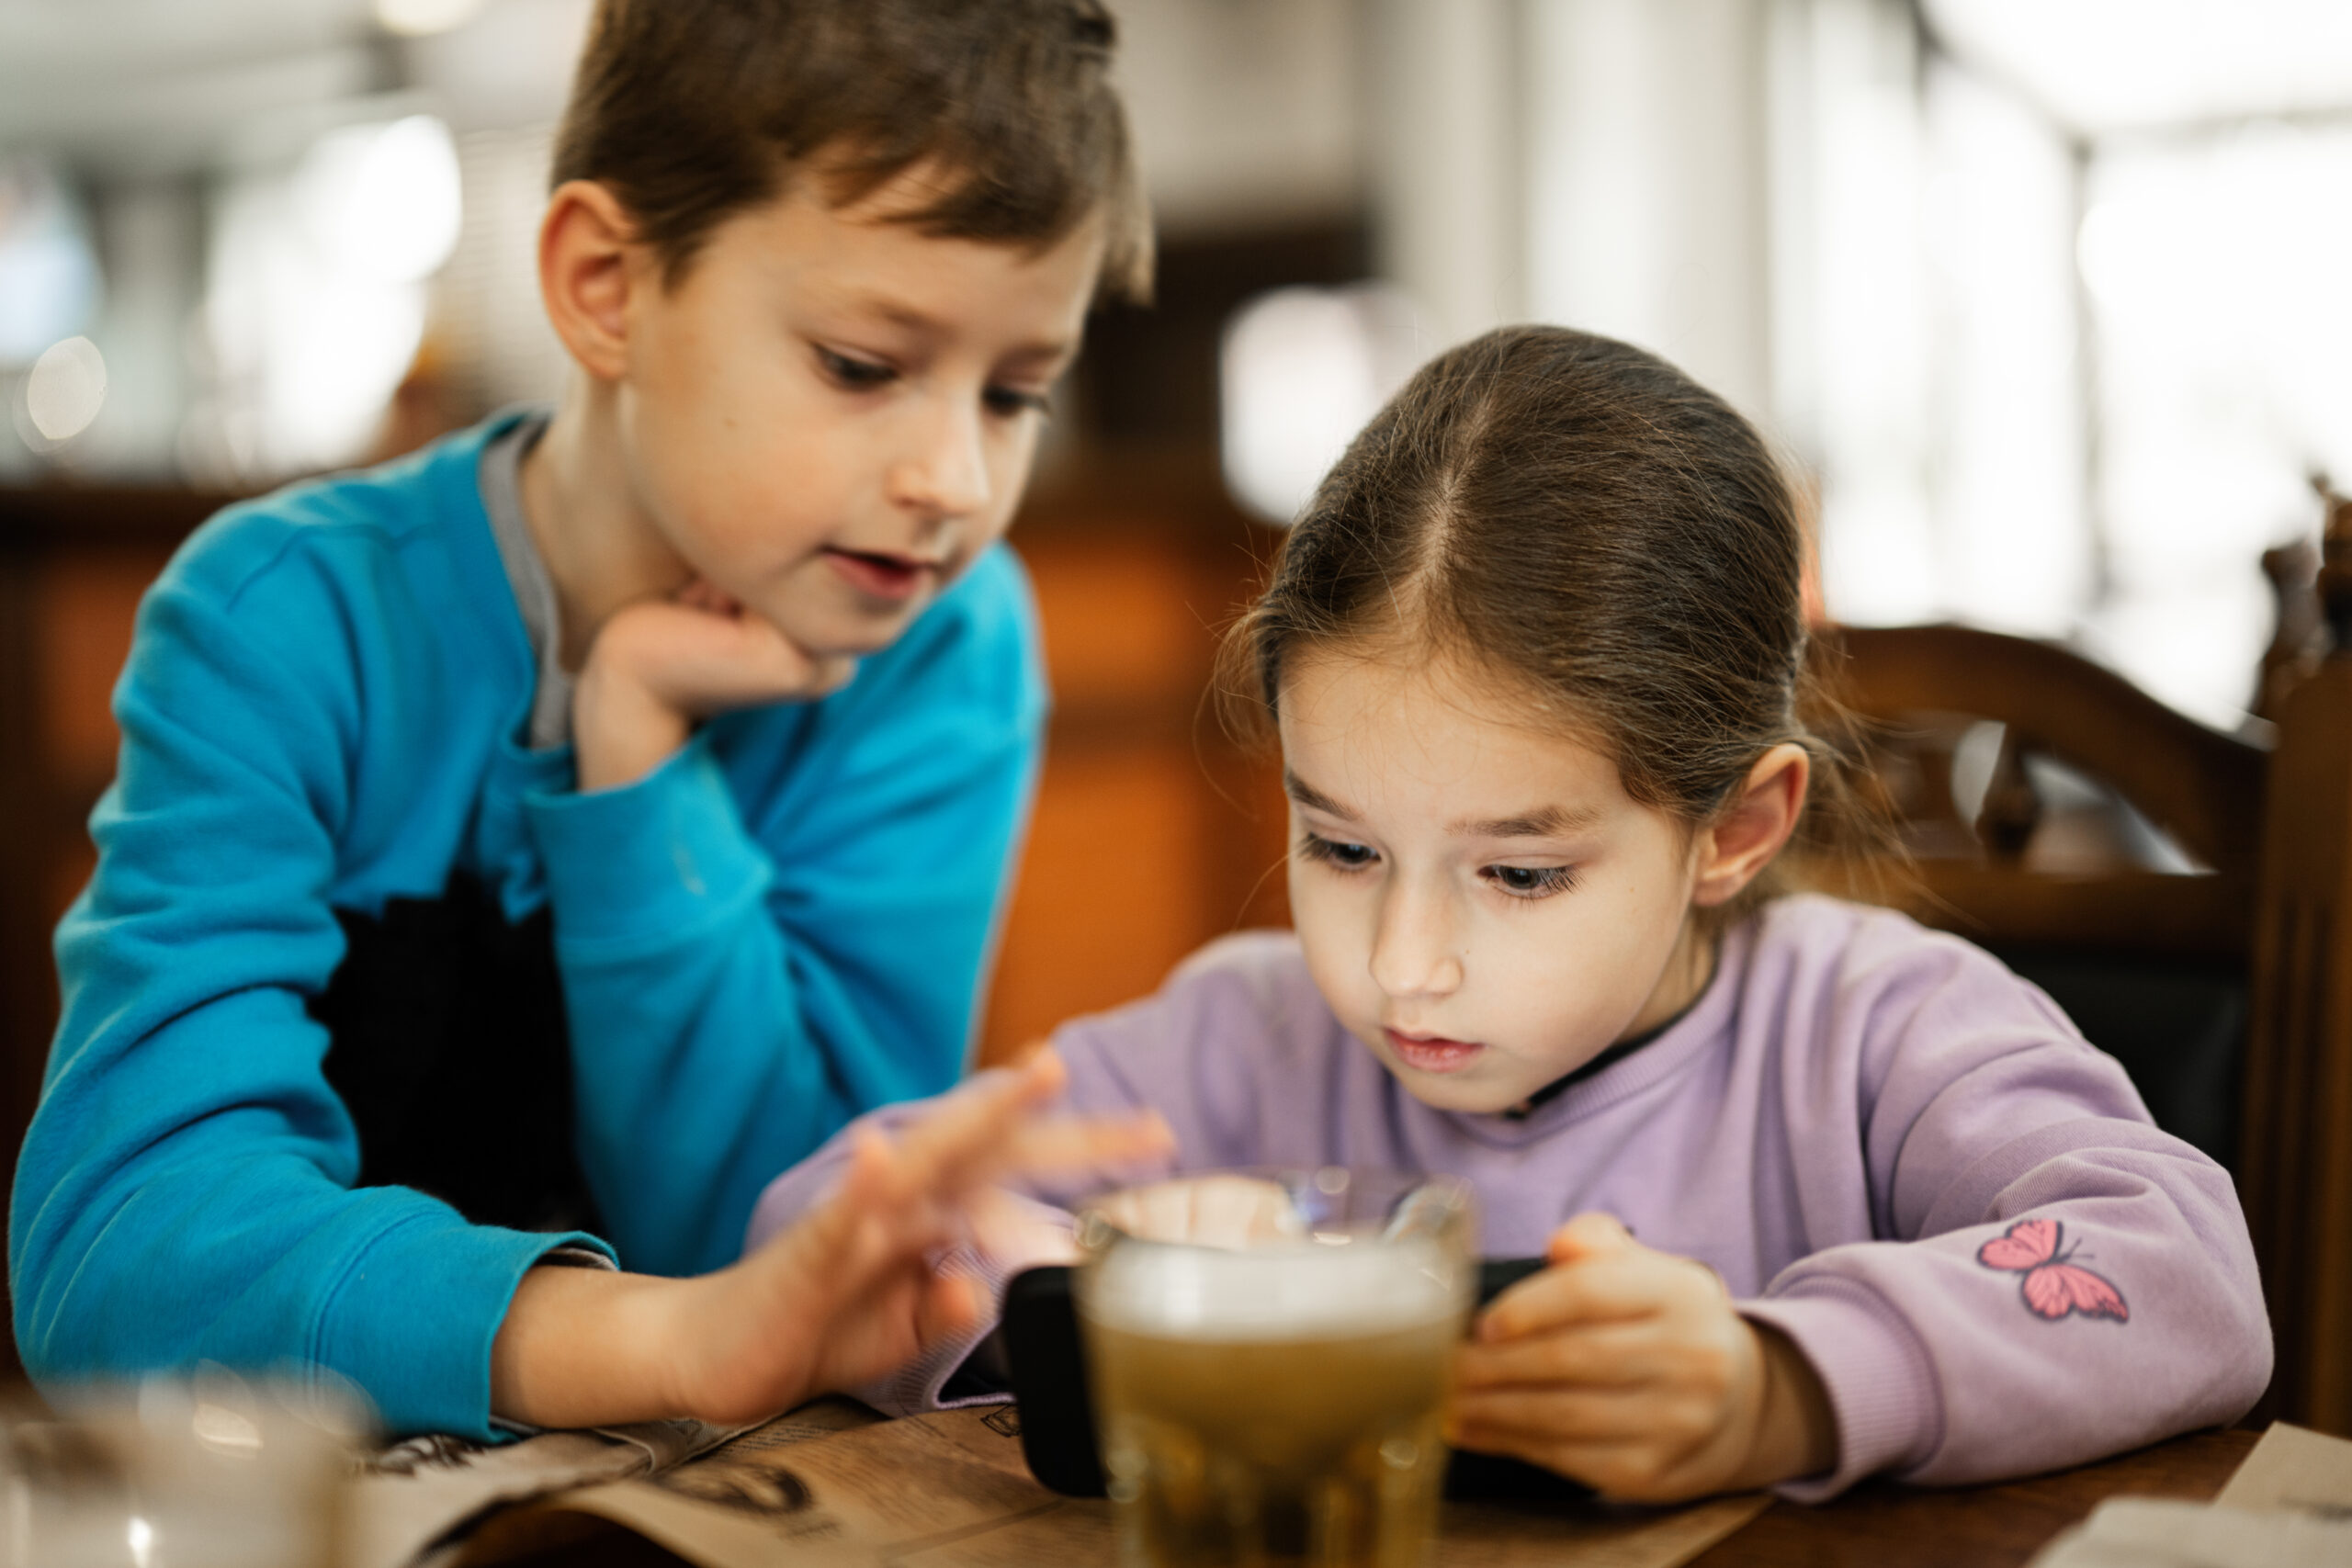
x=621, y=731
x=590, y=1347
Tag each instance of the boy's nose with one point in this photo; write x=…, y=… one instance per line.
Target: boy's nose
x=944, y=473
x=1413, y=948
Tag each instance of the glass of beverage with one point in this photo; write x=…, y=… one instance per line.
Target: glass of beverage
x=1269, y=1353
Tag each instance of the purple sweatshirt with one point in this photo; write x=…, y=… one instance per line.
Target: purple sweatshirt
x=1891, y=1149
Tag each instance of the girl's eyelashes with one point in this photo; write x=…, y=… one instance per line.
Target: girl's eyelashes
x=851, y=374
x=1011, y=401
x=1337, y=853
x=1522, y=882
x=1532, y=881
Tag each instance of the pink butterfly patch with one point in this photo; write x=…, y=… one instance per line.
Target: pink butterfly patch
x=2052, y=1287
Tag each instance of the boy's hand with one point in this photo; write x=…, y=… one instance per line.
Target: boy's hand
x=659, y=666
x=834, y=1300
x=1628, y=1369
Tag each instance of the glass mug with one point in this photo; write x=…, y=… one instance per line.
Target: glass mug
x=1268, y=1352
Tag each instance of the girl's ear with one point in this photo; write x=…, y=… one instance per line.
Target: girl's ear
x=1743, y=841
x=589, y=261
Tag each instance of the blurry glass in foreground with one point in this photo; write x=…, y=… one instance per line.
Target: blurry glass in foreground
x=211, y=1472
x=1269, y=1353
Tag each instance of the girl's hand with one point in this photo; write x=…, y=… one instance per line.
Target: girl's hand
x=834, y=1300
x=1627, y=1369
x=658, y=667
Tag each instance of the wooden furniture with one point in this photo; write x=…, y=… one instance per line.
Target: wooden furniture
x=1877, y=1525
x=1880, y=1525
x=2118, y=848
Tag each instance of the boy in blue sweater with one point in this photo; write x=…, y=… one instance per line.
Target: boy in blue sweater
x=521, y=852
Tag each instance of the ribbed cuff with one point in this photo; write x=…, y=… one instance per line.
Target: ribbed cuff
x=914, y=1388
x=650, y=862
x=1880, y=1386
x=413, y=1317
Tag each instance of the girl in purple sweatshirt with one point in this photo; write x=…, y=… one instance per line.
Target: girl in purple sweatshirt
x=1825, y=1193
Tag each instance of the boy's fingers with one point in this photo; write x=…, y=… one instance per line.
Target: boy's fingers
x=977, y=1119
x=950, y=1305
x=1065, y=1142
x=1601, y=1290
x=1590, y=1235
x=1606, y=1355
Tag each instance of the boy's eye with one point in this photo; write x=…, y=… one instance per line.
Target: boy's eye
x=1337, y=853
x=1532, y=881
x=1011, y=401
x=853, y=375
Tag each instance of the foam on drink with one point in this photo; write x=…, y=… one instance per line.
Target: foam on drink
x=1302, y=1290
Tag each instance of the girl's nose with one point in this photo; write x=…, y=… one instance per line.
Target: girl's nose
x=944, y=472
x=1413, y=950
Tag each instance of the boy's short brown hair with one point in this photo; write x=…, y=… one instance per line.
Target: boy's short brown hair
x=695, y=110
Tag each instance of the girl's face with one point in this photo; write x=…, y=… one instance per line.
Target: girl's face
x=1479, y=900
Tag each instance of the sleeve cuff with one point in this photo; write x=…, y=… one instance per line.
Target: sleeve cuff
x=417, y=1311
x=915, y=1387
x=1880, y=1386
x=649, y=862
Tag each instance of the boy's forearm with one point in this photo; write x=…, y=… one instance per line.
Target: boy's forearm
x=587, y=1347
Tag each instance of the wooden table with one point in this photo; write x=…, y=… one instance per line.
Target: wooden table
x=1878, y=1525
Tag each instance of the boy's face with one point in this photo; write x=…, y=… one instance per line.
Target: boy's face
x=829, y=415
x=1479, y=900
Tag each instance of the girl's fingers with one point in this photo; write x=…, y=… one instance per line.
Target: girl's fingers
x=1599, y=1289
x=1605, y=1355
x=1522, y=1416
x=1590, y=1235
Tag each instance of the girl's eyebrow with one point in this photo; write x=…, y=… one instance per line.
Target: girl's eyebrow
x=1541, y=823
x=1314, y=799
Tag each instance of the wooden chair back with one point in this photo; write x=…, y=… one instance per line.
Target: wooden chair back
x=2110, y=825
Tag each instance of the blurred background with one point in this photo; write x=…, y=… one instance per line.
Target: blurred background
x=2044, y=299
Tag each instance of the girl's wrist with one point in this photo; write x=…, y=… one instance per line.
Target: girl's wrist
x=1796, y=1429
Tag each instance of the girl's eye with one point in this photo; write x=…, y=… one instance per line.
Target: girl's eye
x=1337, y=853
x=855, y=375
x=1011, y=401
x=1532, y=881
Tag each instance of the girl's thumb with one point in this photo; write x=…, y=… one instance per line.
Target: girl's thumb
x=1588, y=1235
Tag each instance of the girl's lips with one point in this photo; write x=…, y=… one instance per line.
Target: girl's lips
x=879, y=576
x=1434, y=1056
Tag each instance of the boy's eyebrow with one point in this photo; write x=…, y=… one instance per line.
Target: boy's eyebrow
x=1543, y=823
x=1314, y=799
x=898, y=313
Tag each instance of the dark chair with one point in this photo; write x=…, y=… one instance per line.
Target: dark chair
x=2184, y=894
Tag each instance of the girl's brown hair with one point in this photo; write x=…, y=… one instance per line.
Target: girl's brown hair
x=1581, y=518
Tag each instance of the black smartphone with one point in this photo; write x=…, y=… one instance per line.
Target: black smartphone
x=1040, y=1337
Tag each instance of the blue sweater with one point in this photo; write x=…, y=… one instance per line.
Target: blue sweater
x=324, y=711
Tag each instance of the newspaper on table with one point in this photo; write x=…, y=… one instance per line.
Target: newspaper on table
x=2288, y=1506
x=833, y=1484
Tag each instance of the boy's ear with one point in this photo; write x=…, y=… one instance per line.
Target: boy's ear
x=588, y=262
x=1755, y=825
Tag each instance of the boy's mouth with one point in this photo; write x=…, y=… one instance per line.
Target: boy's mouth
x=879, y=574
x=1432, y=1054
